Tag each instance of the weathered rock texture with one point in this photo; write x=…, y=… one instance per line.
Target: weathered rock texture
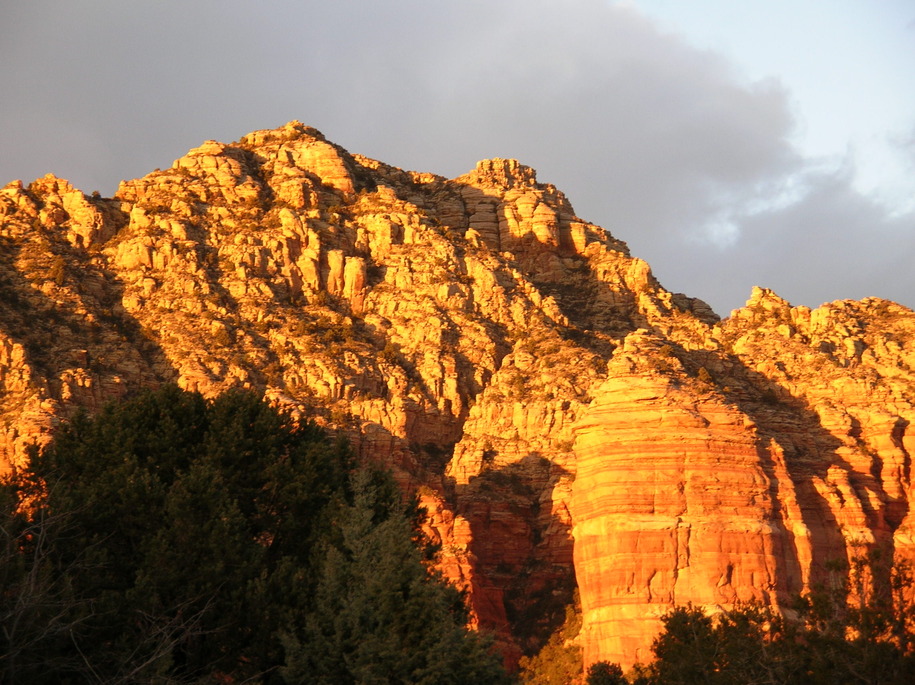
x=737, y=466
x=510, y=361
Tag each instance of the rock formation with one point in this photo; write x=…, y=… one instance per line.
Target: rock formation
x=509, y=361
x=736, y=468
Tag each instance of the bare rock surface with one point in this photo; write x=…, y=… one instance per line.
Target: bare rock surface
x=566, y=420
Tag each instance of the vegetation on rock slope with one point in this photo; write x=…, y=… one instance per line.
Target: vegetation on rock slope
x=859, y=628
x=175, y=539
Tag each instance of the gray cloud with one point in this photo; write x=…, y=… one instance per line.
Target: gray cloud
x=661, y=143
x=834, y=243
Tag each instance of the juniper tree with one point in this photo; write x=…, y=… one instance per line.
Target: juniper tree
x=171, y=539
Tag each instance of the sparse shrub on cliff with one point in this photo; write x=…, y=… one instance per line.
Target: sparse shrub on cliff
x=565, y=445
x=175, y=539
x=273, y=374
x=58, y=270
x=392, y=352
x=324, y=331
x=517, y=386
x=704, y=375
x=221, y=337
x=769, y=396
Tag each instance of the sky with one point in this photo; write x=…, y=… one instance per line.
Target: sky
x=730, y=143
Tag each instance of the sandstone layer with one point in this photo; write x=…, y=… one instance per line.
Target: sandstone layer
x=741, y=466
x=511, y=362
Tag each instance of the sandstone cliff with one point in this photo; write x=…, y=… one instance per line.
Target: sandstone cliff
x=510, y=361
x=738, y=466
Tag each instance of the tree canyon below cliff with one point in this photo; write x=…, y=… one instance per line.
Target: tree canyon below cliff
x=567, y=422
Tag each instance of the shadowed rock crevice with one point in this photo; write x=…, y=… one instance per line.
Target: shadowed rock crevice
x=516, y=544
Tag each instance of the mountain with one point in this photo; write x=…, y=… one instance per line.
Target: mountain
x=566, y=420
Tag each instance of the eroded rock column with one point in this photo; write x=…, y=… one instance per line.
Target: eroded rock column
x=673, y=504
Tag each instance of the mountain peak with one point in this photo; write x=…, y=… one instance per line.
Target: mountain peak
x=502, y=173
x=507, y=359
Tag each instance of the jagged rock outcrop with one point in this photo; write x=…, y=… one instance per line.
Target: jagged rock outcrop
x=510, y=361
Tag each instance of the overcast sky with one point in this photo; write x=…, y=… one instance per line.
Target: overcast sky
x=731, y=143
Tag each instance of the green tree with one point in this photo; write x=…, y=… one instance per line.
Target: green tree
x=860, y=626
x=174, y=539
x=604, y=673
x=38, y=607
x=737, y=646
x=380, y=616
x=857, y=628
x=559, y=661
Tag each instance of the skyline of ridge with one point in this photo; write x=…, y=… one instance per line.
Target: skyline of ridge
x=728, y=146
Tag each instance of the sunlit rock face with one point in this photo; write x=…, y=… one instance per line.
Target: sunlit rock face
x=509, y=361
x=738, y=471
x=675, y=502
x=451, y=329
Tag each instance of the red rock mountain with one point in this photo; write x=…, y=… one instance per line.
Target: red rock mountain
x=567, y=421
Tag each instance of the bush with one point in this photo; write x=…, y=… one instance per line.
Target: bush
x=559, y=661
x=604, y=673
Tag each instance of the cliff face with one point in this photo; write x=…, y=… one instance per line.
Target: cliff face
x=507, y=359
x=736, y=467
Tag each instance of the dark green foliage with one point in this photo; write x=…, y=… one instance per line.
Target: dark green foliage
x=172, y=539
x=695, y=648
x=603, y=673
x=378, y=618
x=858, y=629
x=38, y=606
x=58, y=270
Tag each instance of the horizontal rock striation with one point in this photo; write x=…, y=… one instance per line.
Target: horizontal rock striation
x=512, y=363
x=740, y=466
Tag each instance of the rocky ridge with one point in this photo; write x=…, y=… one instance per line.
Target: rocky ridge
x=510, y=361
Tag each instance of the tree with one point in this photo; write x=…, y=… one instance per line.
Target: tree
x=380, y=617
x=38, y=608
x=604, y=673
x=736, y=646
x=860, y=626
x=857, y=628
x=174, y=539
x=559, y=661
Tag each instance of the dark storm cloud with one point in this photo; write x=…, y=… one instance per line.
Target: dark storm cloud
x=661, y=143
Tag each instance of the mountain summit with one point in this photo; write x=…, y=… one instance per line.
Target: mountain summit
x=566, y=420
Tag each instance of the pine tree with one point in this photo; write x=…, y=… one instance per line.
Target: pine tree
x=380, y=616
x=174, y=539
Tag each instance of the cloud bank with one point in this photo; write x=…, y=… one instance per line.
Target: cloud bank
x=665, y=145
